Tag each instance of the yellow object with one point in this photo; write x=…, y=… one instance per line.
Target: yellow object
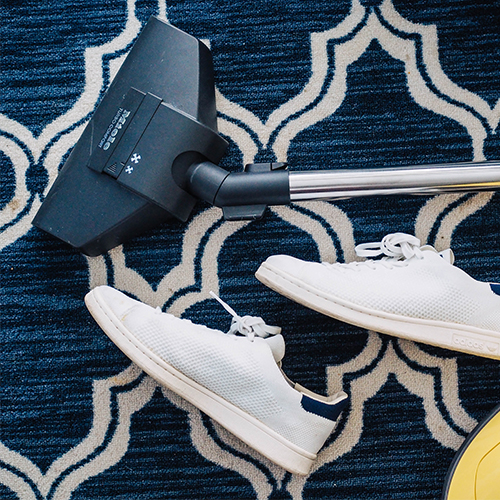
x=475, y=471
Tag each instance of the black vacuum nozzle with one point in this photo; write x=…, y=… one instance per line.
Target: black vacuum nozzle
x=127, y=173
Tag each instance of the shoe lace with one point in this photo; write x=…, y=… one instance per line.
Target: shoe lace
x=249, y=326
x=395, y=245
x=396, y=249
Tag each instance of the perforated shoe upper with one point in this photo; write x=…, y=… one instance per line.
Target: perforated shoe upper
x=241, y=369
x=425, y=284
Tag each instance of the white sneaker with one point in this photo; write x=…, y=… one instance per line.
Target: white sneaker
x=235, y=378
x=413, y=292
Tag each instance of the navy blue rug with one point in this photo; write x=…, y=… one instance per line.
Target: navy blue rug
x=318, y=84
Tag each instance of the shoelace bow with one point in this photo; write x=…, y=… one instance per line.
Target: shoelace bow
x=250, y=326
x=396, y=249
x=398, y=246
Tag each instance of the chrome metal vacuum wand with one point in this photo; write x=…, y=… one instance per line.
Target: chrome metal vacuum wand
x=414, y=180
x=245, y=195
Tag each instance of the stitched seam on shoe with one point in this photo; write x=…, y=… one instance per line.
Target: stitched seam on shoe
x=371, y=312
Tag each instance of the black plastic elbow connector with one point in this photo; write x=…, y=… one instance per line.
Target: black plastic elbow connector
x=220, y=188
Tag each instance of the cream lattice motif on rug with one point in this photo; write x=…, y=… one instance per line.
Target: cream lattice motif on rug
x=432, y=379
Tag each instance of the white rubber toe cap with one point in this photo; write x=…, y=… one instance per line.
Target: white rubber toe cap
x=286, y=264
x=116, y=301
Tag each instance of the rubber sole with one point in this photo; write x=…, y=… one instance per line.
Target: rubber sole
x=244, y=426
x=452, y=336
x=474, y=473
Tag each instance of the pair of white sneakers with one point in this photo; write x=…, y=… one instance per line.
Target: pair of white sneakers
x=236, y=378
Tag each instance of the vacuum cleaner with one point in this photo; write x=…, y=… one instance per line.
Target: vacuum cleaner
x=151, y=151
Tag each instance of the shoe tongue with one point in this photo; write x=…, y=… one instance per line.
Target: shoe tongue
x=277, y=345
x=428, y=248
x=447, y=254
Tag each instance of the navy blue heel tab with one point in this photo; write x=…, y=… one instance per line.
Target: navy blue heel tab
x=324, y=409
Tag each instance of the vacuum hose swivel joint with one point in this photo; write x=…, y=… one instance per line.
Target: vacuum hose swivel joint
x=242, y=195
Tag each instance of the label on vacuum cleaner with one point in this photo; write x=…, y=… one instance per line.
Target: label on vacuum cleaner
x=115, y=129
x=124, y=132
x=116, y=125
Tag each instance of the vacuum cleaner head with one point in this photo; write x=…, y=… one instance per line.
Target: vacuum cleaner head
x=151, y=150
x=127, y=173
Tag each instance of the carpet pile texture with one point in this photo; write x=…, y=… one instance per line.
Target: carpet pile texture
x=319, y=85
